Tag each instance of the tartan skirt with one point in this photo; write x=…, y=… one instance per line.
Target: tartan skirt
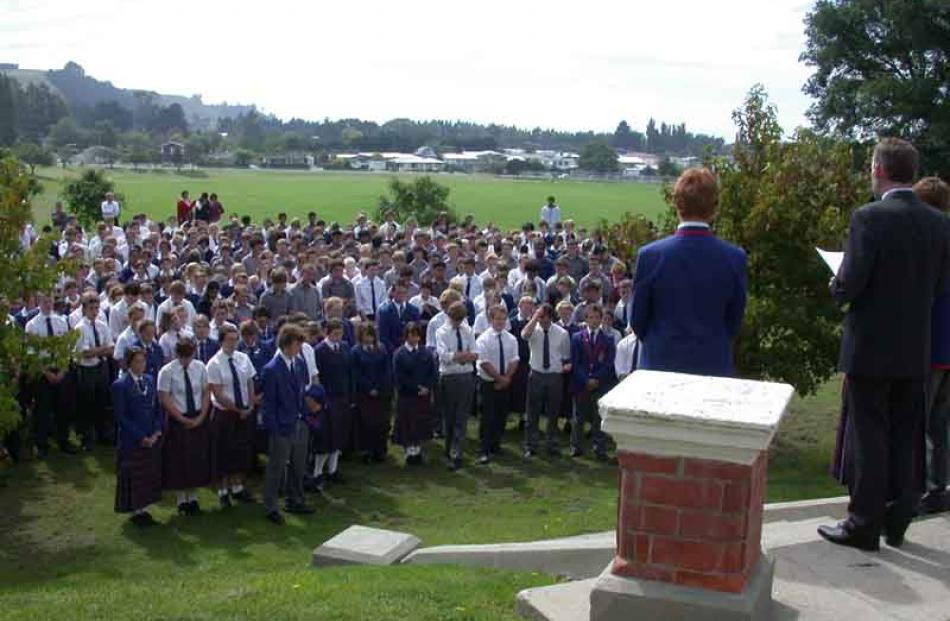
x=138, y=478
x=335, y=425
x=232, y=443
x=413, y=420
x=374, y=422
x=186, y=462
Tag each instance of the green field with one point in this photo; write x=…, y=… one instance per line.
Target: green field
x=340, y=196
x=65, y=555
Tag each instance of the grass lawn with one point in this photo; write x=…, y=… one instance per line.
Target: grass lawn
x=65, y=555
x=338, y=196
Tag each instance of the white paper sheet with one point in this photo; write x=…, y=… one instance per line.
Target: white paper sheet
x=832, y=259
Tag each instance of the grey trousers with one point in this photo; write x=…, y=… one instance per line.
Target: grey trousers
x=938, y=415
x=458, y=394
x=586, y=410
x=280, y=450
x=545, y=393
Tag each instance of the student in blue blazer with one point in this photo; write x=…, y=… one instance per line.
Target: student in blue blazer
x=689, y=290
x=283, y=381
x=592, y=375
x=393, y=316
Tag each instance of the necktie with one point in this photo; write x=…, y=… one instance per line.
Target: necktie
x=546, y=356
x=201, y=351
x=49, y=326
x=400, y=307
x=468, y=287
x=190, y=410
x=95, y=335
x=236, y=380
x=458, y=338
x=140, y=383
x=372, y=292
x=501, y=355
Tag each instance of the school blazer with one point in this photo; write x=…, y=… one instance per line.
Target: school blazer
x=391, y=326
x=282, y=400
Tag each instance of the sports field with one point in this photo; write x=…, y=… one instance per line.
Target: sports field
x=339, y=196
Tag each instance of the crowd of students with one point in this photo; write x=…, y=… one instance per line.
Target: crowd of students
x=202, y=345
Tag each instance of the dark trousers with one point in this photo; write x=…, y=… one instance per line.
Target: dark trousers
x=281, y=450
x=545, y=391
x=52, y=404
x=491, y=426
x=92, y=396
x=938, y=415
x=585, y=409
x=885, y=415
x=457, y=395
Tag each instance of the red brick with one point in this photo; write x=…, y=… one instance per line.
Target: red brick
x=728, y=583
x=643, y=548
x=660, y=520
x=630, y=516
x=735, y=497
x=650, y=464
x=688, y=494
x=636, y=570
x=629, y=487
x=711, y=526
x=683, y=554
x=706, y=469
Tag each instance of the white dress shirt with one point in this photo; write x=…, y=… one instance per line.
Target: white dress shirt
x=624, y=356
x=37, y=325
x=168, y=305
x=110, y=209
x=171, y=380
x=487, y=349
x=169, y=339
x=310, y=358
x=87, y=340
x=433, y=327
x=126, y=339
x=446, y=345
x=482, y=323
x=471, y=285
x=559, y=348
x=418, y=302
x=365, y=287
x=219, y=374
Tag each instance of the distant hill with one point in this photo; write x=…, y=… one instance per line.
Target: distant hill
x=82, y=92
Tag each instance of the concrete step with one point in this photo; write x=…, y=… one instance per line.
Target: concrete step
x=568, y=601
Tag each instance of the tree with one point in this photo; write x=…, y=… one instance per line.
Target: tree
x=137, y=148
x=668, y=168
x=8, y=89
x=21, y=272
x=169, y=119
x=882, y=68
x=422, y=199
x=778, y=201
x=33, y=155
x=243, y=158
x=84, y=196
x=599, y=157
x=66, y=132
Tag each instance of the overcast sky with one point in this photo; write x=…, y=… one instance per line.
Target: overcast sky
x=584, y=64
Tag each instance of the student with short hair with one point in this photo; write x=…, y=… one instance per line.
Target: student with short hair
x=415, y=377
x=455, y=348
x=549, y=348
x=93, y=347
x=183, y=393
x=592, y=366
x=497, y=351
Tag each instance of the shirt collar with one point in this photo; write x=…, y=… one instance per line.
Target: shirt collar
x=286, y=359
x=893, y=191
x=692, y=224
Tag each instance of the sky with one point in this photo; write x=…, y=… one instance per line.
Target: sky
x=578, y=65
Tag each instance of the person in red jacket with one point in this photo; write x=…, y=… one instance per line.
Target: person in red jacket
x=184, y=208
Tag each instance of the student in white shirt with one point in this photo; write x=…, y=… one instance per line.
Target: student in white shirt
x=93, y=348
x=231, y=381
x=549, y=347
x=110, y=208
x=51, y=402
x=176, y=297
x=455, y=347
x=469, y=280
x=183, y=393
x=370, y=291
x=497, y=364
x=128, y=337
x=628, y=351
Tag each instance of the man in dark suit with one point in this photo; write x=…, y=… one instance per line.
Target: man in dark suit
x=895, y=263
x=283, y=382
x=393, y=316
x=689, y=290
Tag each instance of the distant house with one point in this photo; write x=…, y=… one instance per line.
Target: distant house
x=414, y=163
x=9, y=66
x=473, y=161
x=172, y=152
x=287, y=160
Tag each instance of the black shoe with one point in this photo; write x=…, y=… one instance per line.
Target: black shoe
x=183, y=508
x=379, y=457
x=336, y=478
x=86, y=446
x=142, y=520
x=933, y=502
x=844, y=535
x=576, y=452
x=553, y=452
x=455, y=464
x=299, y=509
x=243, y=496
x=68, y=448
x=194, y=508
x=566, y=430
x=224, y=501
x=601, y=457
x=42, y=452
x=313, y=485
x=483, y=459
x=275, y=517
x=496, y=449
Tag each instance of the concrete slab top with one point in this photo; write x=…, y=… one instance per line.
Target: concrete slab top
x=365, y=545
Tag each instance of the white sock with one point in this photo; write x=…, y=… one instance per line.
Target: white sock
x=192, y=496
x=318, y=461
x=181, y=497
x=237, y=488
x=333, y=461
x=222, y=492
x=140, y=511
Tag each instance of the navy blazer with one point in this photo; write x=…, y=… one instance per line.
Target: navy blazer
x=689, y=297
x=154, y=356
x=282, y=402
x=390, y=325
x=210, y=349
x=372, y=370
x=336, y=373
x=414, y=369
x=592, y=360
x=136, y=413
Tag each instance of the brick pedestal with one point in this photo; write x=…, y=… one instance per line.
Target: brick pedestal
x=688, y=521
x=692, y=453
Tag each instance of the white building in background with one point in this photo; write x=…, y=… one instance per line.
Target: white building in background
x=473, y=161
x=414, y=163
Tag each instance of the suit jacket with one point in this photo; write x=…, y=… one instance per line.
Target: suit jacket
x=390, y=325
x=895, y=263
x=137, y=414
x=592, y=360
x=689, y=296
x=210, y=349
x=336, y=372
x=282, y=402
